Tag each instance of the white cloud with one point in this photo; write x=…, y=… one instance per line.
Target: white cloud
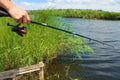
x=109, y=5
x=27, y=3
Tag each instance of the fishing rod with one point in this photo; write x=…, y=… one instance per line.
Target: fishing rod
x=73, y=33
x=22, y=30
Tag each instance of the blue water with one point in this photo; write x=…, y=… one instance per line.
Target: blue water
x=105, y=63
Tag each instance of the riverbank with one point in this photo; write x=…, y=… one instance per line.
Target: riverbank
x=85, y=14
x=40, y=43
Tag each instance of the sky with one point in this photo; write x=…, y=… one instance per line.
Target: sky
x=106, y=5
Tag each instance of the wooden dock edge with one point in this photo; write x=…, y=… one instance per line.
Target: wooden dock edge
x=15, y=72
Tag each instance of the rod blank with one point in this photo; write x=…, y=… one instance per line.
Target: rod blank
x=46, y=25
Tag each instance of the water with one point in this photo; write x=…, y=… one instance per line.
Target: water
x=105, y=63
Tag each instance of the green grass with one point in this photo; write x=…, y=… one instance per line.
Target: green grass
x=87, y=14
x=40, y=43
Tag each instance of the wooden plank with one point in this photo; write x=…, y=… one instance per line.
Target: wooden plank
x=14, y=78
x=20, y=71
x=41, y=74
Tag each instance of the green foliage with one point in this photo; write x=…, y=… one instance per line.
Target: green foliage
x=38, y=44
x=87, y=14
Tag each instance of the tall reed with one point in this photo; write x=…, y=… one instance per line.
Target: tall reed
x=87, y=14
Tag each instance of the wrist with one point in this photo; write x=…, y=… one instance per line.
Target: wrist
x=6, y=4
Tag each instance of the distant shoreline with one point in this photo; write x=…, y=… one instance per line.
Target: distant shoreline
x=84, y=13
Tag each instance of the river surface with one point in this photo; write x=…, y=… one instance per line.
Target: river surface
x=105, y=63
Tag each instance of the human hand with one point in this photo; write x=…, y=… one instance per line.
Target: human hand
x=19, y=15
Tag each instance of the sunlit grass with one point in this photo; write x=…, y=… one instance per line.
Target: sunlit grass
x=40, y=43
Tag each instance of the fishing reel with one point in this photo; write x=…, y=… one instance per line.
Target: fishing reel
x=20, y=30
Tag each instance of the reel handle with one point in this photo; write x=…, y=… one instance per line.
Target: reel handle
x=20, y=30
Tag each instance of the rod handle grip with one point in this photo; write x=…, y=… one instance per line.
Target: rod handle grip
x=4, y=13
